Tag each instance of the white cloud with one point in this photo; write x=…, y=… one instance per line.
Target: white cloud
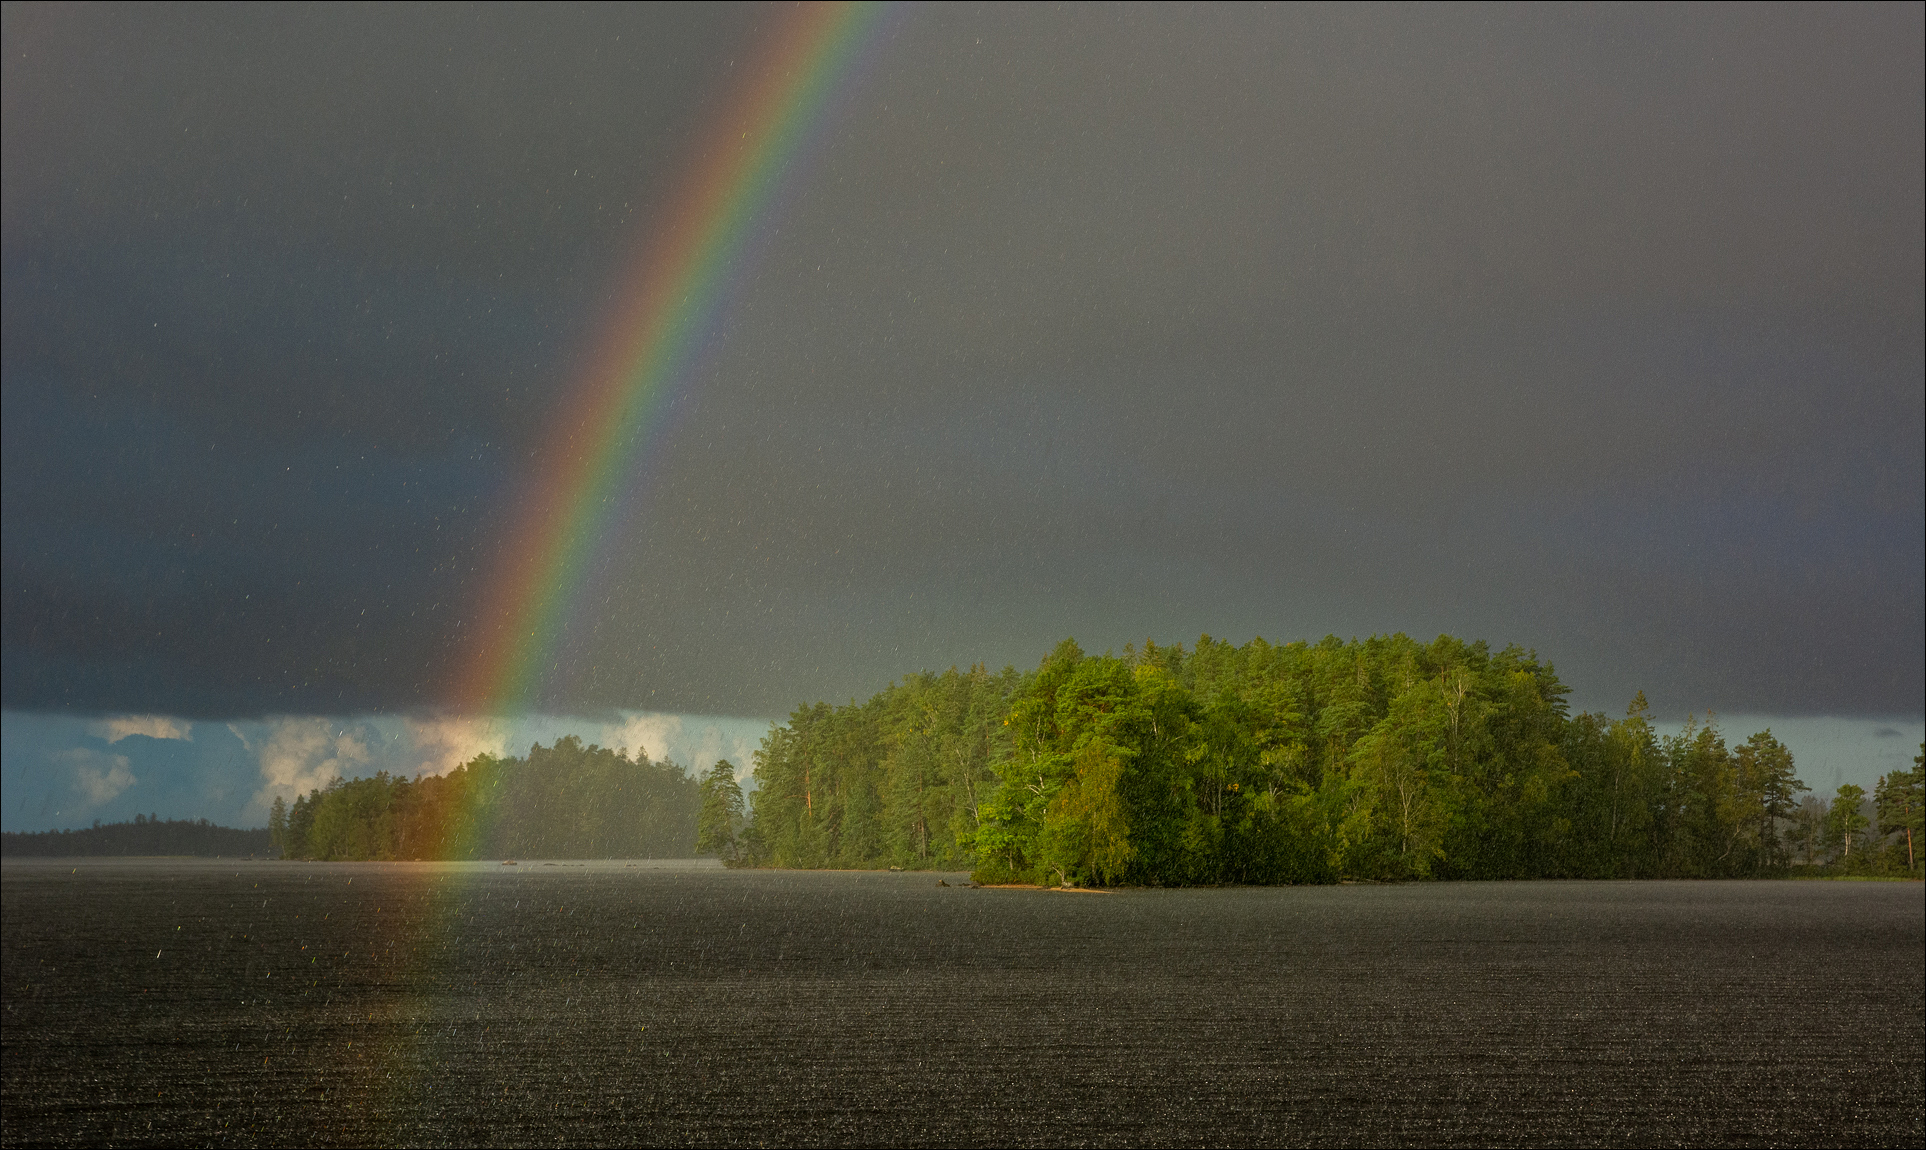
x=643, y=733
x=153, y=726
x=694, y=741
x=299, y=755
x=712, y=743
x=98, y=775
x=439, y=745
x=204, y=774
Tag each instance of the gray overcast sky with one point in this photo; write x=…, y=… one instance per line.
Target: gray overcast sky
x=1594, y=330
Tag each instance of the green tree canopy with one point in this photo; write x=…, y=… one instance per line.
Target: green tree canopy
x=720, y=817
x=1379, y=758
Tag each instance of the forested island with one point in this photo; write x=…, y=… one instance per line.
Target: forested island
x=142, y=836
x=1308, y=762
x=1383, y=759
x=564, y=801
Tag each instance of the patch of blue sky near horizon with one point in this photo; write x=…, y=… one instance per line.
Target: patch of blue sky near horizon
x=1831, y=750
x=61, y=771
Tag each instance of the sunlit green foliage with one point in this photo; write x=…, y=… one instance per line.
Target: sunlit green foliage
x=896, y=781
x=720, y=818
x=1296, y=763
x=1901, y=802
x=1846, y=819
x=1383, y=759
x=1377, y=759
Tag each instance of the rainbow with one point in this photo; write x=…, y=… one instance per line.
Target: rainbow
x=667, y=311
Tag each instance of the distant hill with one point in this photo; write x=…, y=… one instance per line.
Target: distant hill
x=143, y=836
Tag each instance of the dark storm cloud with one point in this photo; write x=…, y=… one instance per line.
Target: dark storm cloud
x=1599, y=331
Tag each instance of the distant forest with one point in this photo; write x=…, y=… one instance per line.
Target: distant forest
x=143, y=836
x=565, y=801
x=1383, y=759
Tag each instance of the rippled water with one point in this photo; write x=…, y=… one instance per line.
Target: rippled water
x=236, y=1002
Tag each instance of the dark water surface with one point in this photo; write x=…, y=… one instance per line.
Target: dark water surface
x=237, y=1002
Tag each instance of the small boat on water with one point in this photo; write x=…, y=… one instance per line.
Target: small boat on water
x=510, y=862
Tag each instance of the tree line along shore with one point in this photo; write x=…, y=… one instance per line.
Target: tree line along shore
x=1306, y=762
x=1381, y=759
x=142, y=836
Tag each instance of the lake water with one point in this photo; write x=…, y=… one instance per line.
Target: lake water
x=217, y=1002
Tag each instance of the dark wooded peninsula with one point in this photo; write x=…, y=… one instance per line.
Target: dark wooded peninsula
x=1381, y=759
x=143, y=836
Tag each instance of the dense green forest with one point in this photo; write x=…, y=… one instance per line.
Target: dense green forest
x=900, y=780
x=1380, y=759
x=142, y=836
x=564, y=801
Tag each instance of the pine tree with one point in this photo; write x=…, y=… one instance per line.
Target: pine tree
x=1901, y=801
x=1767, y=781
x=721, y=813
